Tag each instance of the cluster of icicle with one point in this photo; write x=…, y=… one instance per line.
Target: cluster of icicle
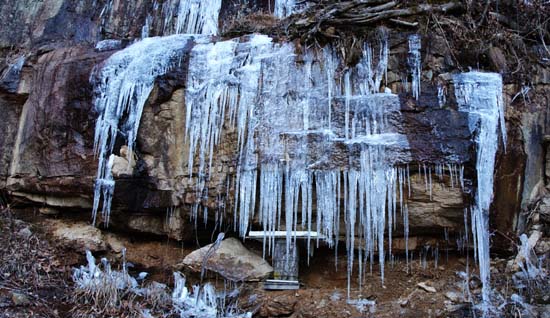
x=196, y=16
x=480, y=95
x=260, y=87
x=122, y=87
x=284, y=8
x=104, y=286
x=183, y=17
x=125, y=81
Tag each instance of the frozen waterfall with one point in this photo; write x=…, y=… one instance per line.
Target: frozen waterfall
x=296, y=117
x=122, y=87
x=265, y=90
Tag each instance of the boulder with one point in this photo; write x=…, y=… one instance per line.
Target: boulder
x=78, y=236
x=231, y=260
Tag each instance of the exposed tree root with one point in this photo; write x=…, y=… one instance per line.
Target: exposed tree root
x=353, y=14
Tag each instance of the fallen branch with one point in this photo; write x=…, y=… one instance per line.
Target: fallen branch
x=405, y=23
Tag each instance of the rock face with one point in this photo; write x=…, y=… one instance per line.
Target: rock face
x=231, y=260
x=46, y=144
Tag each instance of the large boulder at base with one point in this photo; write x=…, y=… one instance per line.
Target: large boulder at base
x=231, y=260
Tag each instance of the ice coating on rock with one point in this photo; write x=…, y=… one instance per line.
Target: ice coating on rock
x=108, y=45
x=480, y=94
x=14, y=69
x=122, y=87
x=10, y=76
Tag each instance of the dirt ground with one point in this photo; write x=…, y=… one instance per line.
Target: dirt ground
x=35, y=279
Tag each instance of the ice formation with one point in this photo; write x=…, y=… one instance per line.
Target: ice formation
x=14, y=69
x=105, y=287
x=258, y=86
x=198, y=16
x=284, y=8
x=290, y=112
x=415, y=63
x=182, y=17
x=122, y=87
x=533, y=273
x=108, y=45
x=202, y=301
x=480, y=95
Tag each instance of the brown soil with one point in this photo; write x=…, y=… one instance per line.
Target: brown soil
x=43, y=274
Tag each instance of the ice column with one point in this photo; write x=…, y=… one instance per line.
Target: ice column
x=480, y=94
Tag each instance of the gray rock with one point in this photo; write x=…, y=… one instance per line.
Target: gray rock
x=25, y=233
x=455, y=297
x=231, y=260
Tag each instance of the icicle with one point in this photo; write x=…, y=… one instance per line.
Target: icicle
x=425, y=176
x=406, y=233
x=415, y=64
x=348, y=96
x=441, y=95
x=146, y=27
x=480, y=94
x=461, y=176
x=430, y=181
x=330, y=70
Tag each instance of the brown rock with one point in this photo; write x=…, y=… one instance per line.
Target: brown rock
x=279, y=306
x=231, y=260
x=78, y=236
x=498, y=60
